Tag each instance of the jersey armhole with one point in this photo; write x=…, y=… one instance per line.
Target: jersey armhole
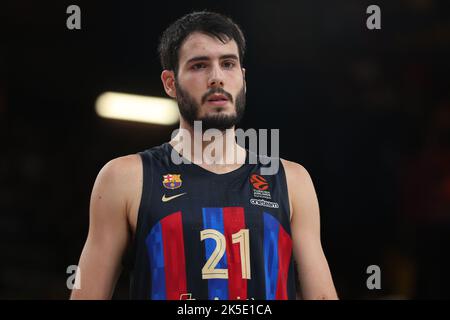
x=144, y=203
x=286, y=187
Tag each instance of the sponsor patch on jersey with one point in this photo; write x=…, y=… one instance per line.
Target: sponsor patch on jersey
x=260, y=186
x=264, y=203
x=172, y=181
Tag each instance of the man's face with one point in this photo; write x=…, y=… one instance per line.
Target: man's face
x=210, y=82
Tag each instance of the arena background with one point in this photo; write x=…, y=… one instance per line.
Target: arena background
x=367, y=112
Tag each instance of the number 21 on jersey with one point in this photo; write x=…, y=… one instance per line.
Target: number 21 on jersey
x=241, y=238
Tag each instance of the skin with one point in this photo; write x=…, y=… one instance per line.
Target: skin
x=117, y=190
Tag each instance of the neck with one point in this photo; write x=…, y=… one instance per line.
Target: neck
x=214, y=149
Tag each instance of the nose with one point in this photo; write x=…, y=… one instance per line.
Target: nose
x=216, y=78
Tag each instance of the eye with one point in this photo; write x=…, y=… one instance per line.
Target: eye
x=229, y=64
x=198, y=66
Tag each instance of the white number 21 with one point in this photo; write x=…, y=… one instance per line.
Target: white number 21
x=242, y=237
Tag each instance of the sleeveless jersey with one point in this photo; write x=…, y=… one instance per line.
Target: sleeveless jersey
x=207, y=236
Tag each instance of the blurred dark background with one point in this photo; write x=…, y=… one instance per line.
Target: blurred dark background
x=367, y=112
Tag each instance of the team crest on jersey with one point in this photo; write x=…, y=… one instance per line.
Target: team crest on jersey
x=260, y=186
x=172, y=181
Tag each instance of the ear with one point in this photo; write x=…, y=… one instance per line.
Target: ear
x=245, y=82
x=168, y=80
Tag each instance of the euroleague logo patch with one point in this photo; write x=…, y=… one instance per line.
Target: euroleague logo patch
x=260, y=190
x=259, y=182
x=260, y=187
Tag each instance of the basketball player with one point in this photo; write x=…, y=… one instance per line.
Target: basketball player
x=204, y=231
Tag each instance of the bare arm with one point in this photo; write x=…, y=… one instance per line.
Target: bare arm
x=314, y=274
x=108, y=237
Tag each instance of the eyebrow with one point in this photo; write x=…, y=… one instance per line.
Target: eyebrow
x=204, y=58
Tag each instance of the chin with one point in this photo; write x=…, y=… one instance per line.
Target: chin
x=218, y=113
x=227, y=110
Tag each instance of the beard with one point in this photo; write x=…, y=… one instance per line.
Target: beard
x=189, y=109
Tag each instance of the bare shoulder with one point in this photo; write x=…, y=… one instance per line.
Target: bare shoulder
x=124, y=173
x=300, y=188
x=124, y=167
x=295, y=172
x=120, y=182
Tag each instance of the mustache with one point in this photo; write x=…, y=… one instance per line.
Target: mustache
x=219, y=91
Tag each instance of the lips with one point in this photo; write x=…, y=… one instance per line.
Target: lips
x=217, y=98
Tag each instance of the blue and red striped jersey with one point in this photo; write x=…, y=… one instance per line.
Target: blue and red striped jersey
x=208, y=236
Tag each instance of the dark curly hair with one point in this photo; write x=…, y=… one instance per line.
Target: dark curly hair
x=210, y=23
